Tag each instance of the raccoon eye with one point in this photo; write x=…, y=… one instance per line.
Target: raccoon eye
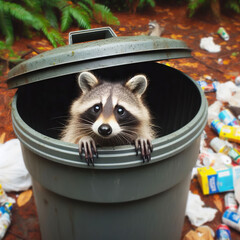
x=96, y=108
x=120, y=110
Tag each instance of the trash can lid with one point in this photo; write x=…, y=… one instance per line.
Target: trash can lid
x=101, y=49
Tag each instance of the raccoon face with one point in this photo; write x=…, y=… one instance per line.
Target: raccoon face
x=111, y=110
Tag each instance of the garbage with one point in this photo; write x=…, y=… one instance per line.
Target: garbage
x=237, y=81
x=214, y=160
x=232, y=219
x=228, y=118
x=208, y=87
x=13, y=173
x=231, y=133
x=5, y=218
x=230, y=202
x=228, y=92
x=215, y=181
x=208, y=44
x=223, y=232
x=213, y=111
x=201, y=233
x=222, y=146
x=195, y=211
x=4, y=198
x=223, y=33
x=237, y=187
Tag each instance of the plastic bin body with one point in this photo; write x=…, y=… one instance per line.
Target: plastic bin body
x=120, y=197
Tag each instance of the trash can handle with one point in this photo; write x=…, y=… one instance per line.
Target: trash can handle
x=90, y=35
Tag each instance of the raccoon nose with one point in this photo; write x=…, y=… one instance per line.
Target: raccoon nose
x=105, y=130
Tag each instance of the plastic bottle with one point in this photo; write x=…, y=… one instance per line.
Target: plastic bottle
x=228, y=118
x=230, y=202
x=232, y=219
x=5, y=219
x=221, y=146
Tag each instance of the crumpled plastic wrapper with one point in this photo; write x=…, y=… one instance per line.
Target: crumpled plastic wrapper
x=208, y=44
x=196, y=212
x=13, y=173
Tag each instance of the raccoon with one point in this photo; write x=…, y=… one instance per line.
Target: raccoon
x=109, y=114
x=155, y=29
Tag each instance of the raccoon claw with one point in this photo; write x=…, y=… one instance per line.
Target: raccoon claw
x=144, y=146
x=87, y=145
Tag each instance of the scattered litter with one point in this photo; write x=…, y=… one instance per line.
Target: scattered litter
x=232, y=219
x=201, y=233
x=13, y=173
x=228, y=92
x=237, y=81
x=220, y=61
x=225, y=147
x=195, y=211
x=213, y=111
x=228, y=118
x=223, y=232
x=208, y=87
x=4, y=198
x=230, y=202
x=220, y=180
x=5, y=218
x=208, y=44
x=223, y=33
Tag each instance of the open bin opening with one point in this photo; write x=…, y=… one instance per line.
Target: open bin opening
x=173, y=99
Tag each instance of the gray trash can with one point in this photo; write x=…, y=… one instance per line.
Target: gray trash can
x=120, y=197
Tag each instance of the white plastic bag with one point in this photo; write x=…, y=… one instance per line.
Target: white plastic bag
x=228, y=92
x=208, y=44
x=197, y=214
x=13, y=173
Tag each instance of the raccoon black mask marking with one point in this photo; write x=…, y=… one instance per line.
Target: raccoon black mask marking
x=109, y=114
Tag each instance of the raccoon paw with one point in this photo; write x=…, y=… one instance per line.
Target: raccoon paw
x=87, y=145
x=144, y=146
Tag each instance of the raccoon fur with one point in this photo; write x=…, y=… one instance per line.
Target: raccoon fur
x=109, y=114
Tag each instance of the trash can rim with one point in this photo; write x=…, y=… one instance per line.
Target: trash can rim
x=67, y=153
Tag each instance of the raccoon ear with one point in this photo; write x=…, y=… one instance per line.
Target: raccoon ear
x=87, y=81
x=137, y=84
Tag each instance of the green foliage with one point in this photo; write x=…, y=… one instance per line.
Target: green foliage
x=194, y=5
x=42, y=15
x=234, y=5
x=142, y=3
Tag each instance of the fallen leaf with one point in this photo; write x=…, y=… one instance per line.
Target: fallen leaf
x=218, y=203
x=198, y=54
x=24, y=197
x=122, y=29
x=226, y=61
x=183, y=27
x=174, y=36
x=2, y=137
x=188, y=64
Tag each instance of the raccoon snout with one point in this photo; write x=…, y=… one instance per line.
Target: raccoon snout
x=105, y=130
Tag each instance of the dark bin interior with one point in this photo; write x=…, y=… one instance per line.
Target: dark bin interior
x=173, y=98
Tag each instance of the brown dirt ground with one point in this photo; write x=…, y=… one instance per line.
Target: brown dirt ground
x=178, y=26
